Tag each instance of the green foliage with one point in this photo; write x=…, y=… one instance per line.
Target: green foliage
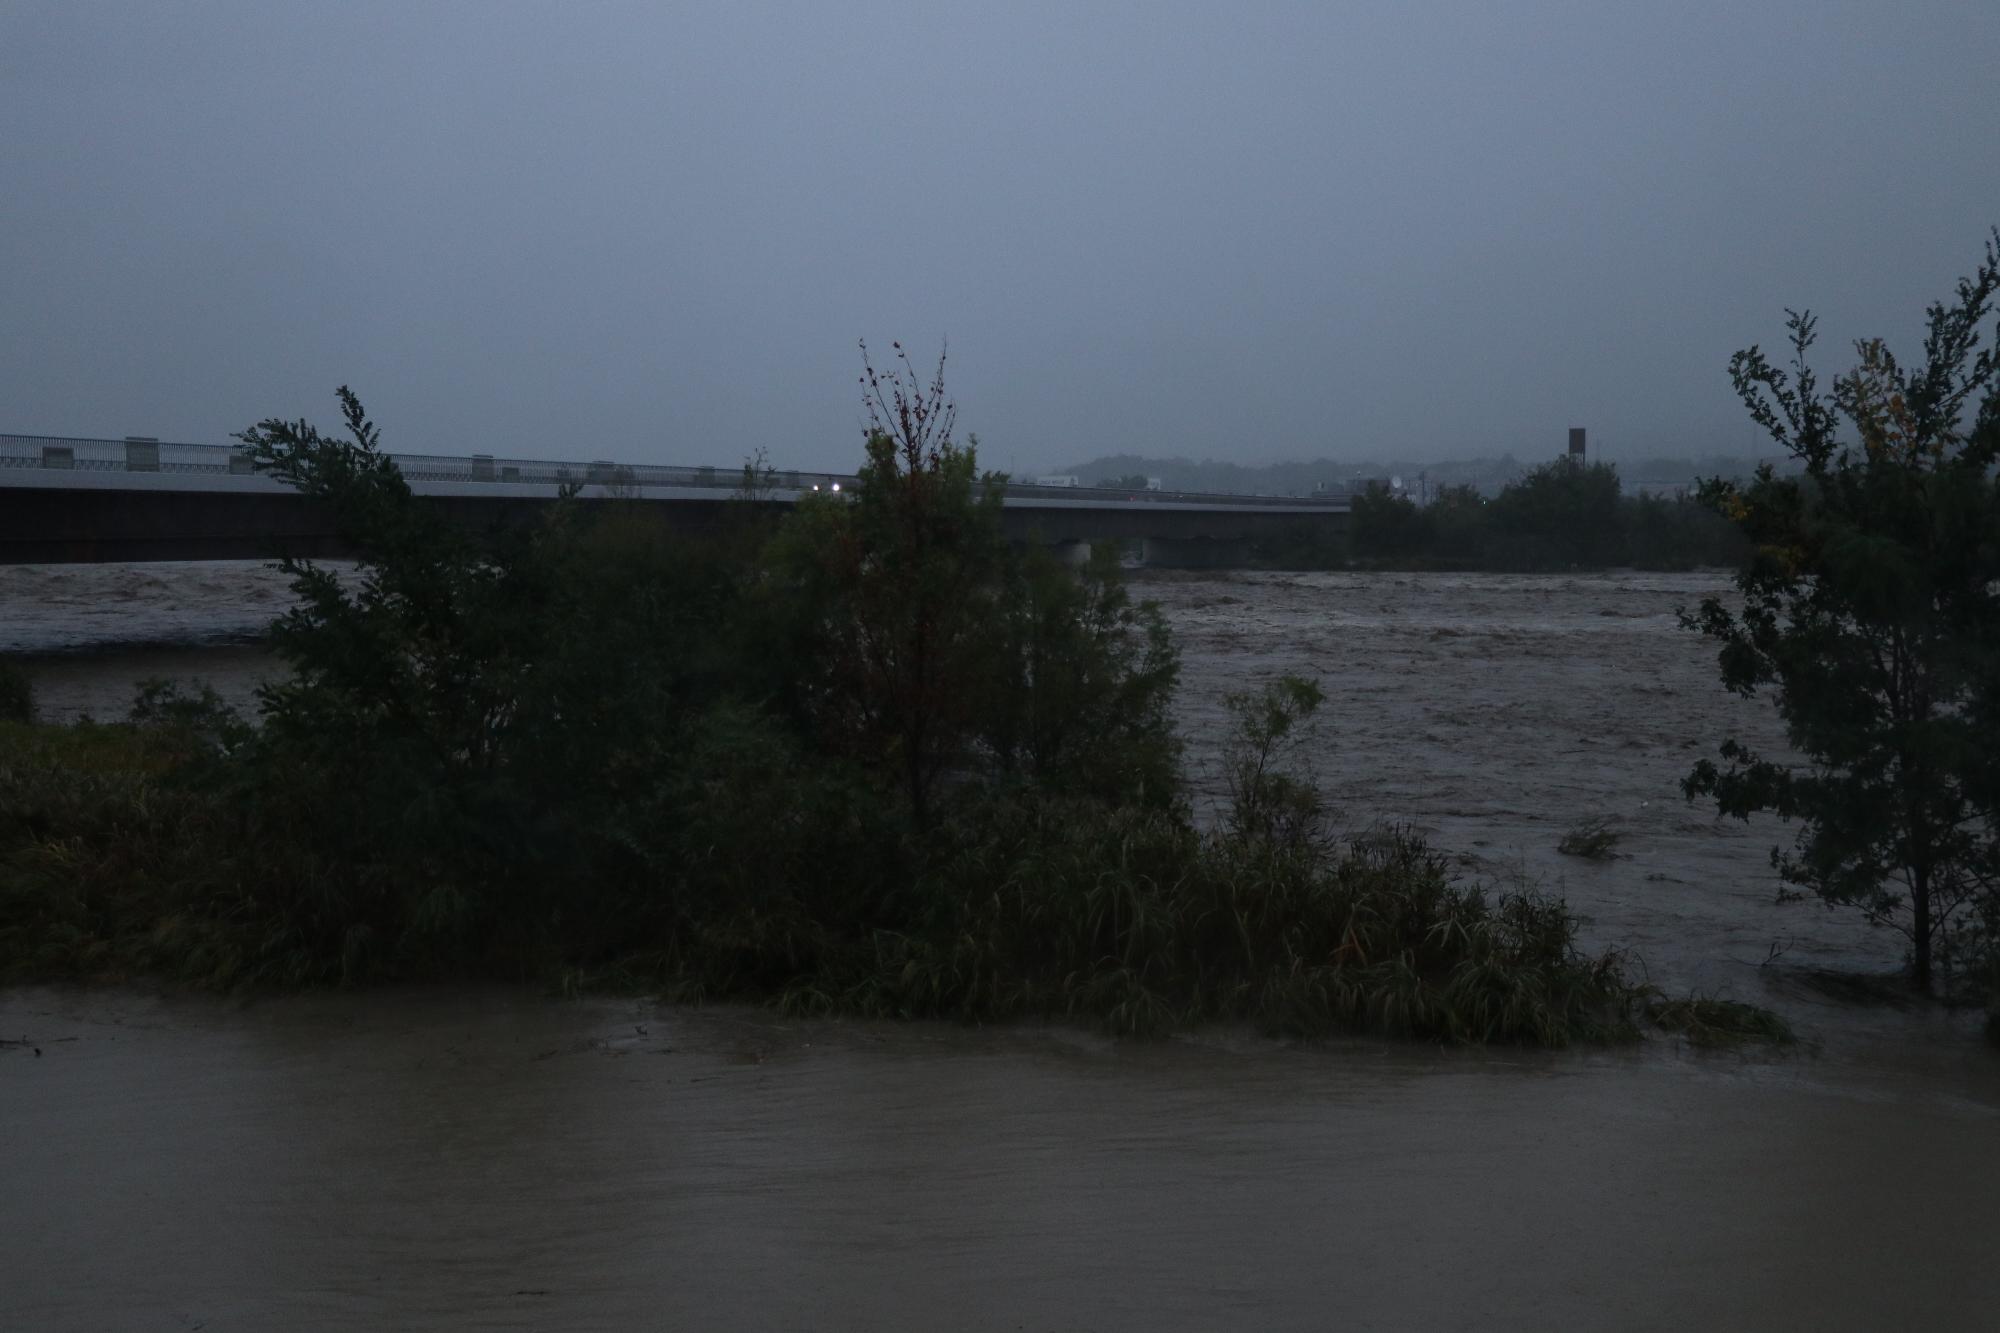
x=1273, y=796
x=1384, y=526
x=1707, y=1021
x=1132, y=918
x=108, y=866
x=1870, y=607
x=935, y=652
x=897, y=586
x=1130, y=481
x=17, y=694
x=1021, y=905
x=193, y=712
x=1458, y=520
x=482, y=742
x=1593, y=840
x=759, y=478
x=1303, y=544
x=1678, y=534
x=543, y=748
x=1559, y=516
x=1078, y=683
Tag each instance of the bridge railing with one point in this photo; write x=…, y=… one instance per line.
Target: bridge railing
x=134, y=455
x=137, y=454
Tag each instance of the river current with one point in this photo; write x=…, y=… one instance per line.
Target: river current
x=471, y=1158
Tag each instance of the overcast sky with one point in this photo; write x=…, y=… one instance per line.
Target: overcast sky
x=1249, y=231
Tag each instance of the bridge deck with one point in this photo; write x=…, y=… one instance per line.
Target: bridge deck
x=73, y=463
x=88, y=500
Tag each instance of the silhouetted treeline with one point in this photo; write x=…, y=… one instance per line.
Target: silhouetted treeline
x=1484, y=475
x=1559, y=516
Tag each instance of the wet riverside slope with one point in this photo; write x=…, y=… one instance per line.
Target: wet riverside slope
x=455, y=1159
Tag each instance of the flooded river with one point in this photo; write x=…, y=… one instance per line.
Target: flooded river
x=489, y=1159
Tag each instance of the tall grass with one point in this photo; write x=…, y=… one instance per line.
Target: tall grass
x=1708, y=1021
x=125, y=851
x=114, y=864
x=17, y=694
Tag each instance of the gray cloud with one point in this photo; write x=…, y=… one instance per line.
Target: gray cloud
x=1248, y=232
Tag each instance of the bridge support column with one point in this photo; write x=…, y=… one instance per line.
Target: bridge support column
x=1075, y=554
x=1195, y=552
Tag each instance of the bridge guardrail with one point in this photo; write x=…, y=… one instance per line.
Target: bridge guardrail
x=138, y=454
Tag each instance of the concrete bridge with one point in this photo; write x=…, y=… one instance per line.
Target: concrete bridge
x=78, y=500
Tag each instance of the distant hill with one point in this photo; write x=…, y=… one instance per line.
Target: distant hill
x=1487, y=475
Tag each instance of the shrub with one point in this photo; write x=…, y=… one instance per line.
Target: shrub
x=1594, y=840
x=1706, y=1021
x=1273, y=795
x=17, y=694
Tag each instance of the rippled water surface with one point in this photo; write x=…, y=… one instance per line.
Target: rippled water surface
x=1496, y=712
x=468, y=1160
x=472, y=1159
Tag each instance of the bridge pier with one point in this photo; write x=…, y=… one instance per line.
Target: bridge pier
x=1195, y=552
x=1075, y=554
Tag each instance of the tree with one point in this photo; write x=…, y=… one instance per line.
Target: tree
x=1385, y=526
x=1561, y=514
x=1081, y=681
x=473, y=719
x=1274, y=796
x=1869, y=608
x=899, y=581
x=1457, y=518
x=411, y=652
x=939, y=653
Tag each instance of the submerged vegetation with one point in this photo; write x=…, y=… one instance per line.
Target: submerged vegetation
x=17, y=699
x=1593, y=840
x=140, y=850
x=867, y=758
x=1706, y=1021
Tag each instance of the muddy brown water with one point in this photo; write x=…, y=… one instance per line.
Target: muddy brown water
x=497, y=1159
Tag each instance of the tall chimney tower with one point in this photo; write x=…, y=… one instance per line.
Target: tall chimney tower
x=1576, y=445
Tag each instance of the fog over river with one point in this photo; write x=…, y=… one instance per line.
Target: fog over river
x=472, y=1158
